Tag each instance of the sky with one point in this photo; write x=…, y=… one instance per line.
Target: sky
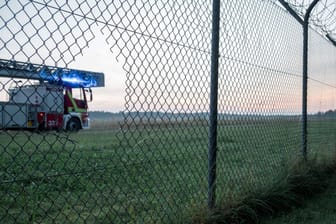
x=99, y=58
x=165, y=49
x=41, y=35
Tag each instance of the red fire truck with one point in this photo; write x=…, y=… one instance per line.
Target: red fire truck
x=57, y=101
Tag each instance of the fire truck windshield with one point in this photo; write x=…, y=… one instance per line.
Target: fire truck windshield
x=78, y=93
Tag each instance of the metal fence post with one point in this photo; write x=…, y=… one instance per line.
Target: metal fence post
x=305, y=78
x=213, y=104
x=305, y=26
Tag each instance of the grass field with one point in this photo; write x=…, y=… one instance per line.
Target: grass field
x=153, y=174
x=319, y=209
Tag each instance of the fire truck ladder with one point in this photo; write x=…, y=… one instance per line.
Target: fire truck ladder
x=26, y=70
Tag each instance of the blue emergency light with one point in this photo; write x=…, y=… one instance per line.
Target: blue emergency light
x=72, y=78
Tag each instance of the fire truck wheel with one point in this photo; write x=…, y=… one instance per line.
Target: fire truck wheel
x=73, y=125
x=41, y=127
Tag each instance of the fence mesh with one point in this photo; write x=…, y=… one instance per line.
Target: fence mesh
x=149, y=164
x=321, y=97
x=259, y=94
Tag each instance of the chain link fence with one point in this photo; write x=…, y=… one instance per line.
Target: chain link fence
x=259, y=93
x=151, y=164
x=321, y=106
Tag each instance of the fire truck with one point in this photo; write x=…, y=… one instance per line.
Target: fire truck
x=44, y=97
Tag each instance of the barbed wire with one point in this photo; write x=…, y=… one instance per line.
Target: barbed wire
x=323, y=16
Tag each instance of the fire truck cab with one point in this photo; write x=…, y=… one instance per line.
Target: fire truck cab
x=58, y=101
x=75, y=109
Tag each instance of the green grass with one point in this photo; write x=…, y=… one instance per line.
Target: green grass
x=156, y=174
x=317, y=209
x=300, y=181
